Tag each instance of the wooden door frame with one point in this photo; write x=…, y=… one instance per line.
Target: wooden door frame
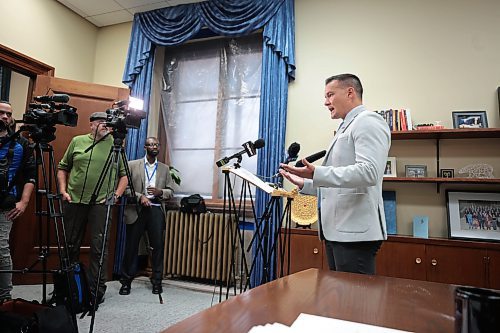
x=25, y=65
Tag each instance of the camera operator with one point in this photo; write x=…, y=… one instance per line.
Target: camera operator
x=17, y=181
x=78, y=175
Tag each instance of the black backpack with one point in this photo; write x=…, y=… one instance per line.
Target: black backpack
x=80, y=290
x=193, y=204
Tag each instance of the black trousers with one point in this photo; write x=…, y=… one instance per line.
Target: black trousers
x=152, y=220
x=354, y=257
x=76, y=218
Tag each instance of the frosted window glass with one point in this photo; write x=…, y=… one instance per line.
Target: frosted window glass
x=193, y=125
x=211, y=89
x=196, y=168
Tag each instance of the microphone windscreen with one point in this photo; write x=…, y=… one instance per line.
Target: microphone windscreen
x=293, y=150
x=311, y=158
x=259, y=143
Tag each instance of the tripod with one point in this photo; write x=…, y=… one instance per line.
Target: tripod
x=272, y=250
x=229, y=209
x=44, y=154
x=112, y=162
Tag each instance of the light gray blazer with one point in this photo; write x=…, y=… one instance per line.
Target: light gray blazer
x=163, y=181
x=349, y=182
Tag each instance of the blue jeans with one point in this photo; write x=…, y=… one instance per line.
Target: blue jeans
x=5, y=259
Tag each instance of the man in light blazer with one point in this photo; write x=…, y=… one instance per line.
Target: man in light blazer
x=349, y=182
x=153, y=185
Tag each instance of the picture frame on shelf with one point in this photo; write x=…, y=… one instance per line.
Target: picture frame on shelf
x=470, y=119
x=390, y=167
x=473, y=215
x=415, y=171
x=447, y=173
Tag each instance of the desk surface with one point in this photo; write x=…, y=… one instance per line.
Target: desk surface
x=416, y=306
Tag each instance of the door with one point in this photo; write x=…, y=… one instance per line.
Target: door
x=457, y=265
x=493, y=268
x=402, y=260
x=28, y=232
x=306, y=251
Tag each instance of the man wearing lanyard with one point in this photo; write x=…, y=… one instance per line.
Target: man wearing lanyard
x=153, y=185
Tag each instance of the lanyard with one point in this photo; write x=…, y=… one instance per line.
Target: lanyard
x=147, y=173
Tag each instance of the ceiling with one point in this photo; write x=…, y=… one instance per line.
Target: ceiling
x=108, y=12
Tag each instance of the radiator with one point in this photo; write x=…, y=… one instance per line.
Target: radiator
x=199, y=246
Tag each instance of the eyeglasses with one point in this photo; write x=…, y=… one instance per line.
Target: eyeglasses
x=152, y=145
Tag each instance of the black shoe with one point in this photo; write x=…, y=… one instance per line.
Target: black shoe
x=125, y=289
x=157, y=289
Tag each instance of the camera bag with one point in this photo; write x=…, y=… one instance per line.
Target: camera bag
x=193, y=204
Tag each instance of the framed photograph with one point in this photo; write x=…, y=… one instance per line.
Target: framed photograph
x=473, y=215
x=447, y=173
x=470, y=119
x=390, y=167
x=416, y=171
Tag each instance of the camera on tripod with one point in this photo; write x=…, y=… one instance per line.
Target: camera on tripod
x=125, y=114
x=41, y=117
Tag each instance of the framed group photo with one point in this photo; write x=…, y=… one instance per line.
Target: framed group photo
x=470, y=119
x=390, y=167
x=473, y=215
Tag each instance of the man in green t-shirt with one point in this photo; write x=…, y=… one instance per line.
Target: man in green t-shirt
x=78, y=174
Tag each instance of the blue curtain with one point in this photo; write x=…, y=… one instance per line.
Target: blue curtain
x=174, y=25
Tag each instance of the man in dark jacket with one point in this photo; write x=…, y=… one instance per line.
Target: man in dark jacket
x=17, y=181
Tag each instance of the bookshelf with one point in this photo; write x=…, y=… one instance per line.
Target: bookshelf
x=445, y=134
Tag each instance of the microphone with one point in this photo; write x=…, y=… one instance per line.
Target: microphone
x=249, y=148
x=57, y=98
x=311, y=158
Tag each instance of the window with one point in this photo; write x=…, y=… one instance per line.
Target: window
x=210, y=107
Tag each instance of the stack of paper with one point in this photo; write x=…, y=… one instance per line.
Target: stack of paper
x=306, y=323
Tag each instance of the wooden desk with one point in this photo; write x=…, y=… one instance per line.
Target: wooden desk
x=403, y=304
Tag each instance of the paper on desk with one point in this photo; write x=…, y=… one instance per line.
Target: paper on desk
x=311, y=323
x=270, y=328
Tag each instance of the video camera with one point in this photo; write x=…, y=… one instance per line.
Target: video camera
x=125, y=114
x=41, y=117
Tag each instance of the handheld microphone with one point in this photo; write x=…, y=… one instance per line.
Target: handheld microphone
x=249, y=148
x=311, y=158
x=57, y=98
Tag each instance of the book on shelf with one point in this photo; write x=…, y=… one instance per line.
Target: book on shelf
x=421, y=226
x=397, y=119
x=390, y=211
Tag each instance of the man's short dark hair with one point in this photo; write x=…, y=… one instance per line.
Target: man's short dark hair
x=348, y=80
x=5, y=102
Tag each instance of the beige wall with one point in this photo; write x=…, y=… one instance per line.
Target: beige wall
x=19, y=85
x=49, y=32
x=432, y=57
x=111, y=54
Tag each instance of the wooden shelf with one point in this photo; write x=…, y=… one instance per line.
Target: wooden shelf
x=442, y=180
x=465, y=133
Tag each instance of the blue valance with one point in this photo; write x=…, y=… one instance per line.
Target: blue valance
x=175, y=25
